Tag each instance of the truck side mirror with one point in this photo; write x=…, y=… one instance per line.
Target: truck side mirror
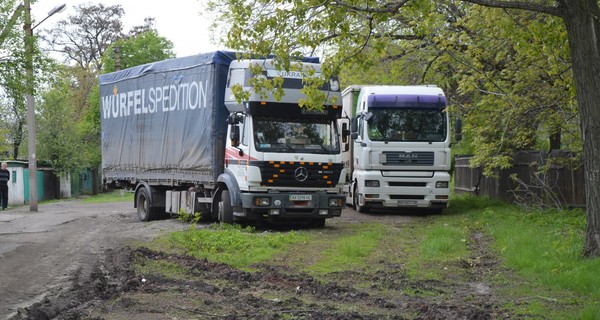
x=354, y=128
x=231, y=119
x=345, y=132
x=234, y=135
x=234, y=118
x=458, y=129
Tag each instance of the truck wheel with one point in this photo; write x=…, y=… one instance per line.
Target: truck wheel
x=145, y=211
x=318, y=223
x=225, y=209
x=357, y=206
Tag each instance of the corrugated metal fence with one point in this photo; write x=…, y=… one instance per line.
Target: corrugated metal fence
x=561, y=185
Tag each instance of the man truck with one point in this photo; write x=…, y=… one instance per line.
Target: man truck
x=175, y=134
x=399, y=155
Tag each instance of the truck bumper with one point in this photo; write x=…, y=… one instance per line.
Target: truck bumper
x=397, y=191
x=290, y=206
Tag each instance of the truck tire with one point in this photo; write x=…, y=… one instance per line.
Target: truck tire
x=145, y=211
x=318, y=223
x=357, y=206
x=225, y=214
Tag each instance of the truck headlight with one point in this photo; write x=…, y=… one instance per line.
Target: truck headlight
x=372, y=183
x=262, y=201
x=336, y=202
x=441, y=184
x=334, y=84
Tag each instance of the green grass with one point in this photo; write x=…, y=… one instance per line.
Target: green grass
x=544, y=248
x=443, y=243
x=113, y=196
x=231, y=244
x=162, y=267
x=350, y=250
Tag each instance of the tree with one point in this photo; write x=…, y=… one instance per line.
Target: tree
x=343, y=31
x=12, y=69
x=514, y=82
x=137, y=49
x=84, y=37
x=59, y=137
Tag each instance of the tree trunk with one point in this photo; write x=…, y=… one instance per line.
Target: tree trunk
x=583, y=26
x=18, y=139
x=555, y=140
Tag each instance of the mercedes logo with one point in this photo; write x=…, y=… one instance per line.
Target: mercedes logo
x=301, y=174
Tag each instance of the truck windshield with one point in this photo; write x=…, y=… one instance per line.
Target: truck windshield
x=295, y=135
x=406, y=124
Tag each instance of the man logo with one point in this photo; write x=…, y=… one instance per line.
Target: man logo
x=301, y=174
x=408, y=156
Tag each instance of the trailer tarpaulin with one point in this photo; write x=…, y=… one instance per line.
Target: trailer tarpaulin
x=165, y=116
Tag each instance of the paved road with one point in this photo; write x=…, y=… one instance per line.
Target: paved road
x=45, y=251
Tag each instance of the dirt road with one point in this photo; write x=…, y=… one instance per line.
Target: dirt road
x=52, y=250
x=46, y=251
x=70, y=261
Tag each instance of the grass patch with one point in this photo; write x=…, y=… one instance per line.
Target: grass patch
x=349, y=250
x=544, y=248
x=162, y=267
x=113, y=196
x=231, y=244
x=443, y=243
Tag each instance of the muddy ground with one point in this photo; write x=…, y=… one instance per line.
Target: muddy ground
x=112, y=290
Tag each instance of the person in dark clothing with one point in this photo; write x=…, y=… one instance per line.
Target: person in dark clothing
x=4, y=178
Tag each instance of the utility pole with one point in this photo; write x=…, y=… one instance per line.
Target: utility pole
x=29, y=97
x=31, y=131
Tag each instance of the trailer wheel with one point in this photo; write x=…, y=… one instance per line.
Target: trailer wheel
x=145, y=211
x=225, y=209
x=357, y=206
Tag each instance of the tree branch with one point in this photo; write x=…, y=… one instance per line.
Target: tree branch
x=390, y=7
x=554, y=10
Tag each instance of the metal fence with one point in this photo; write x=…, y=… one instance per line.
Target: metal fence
x=562, y=185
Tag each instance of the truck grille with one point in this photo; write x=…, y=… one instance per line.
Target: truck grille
x=409, y=158
x=299, y=174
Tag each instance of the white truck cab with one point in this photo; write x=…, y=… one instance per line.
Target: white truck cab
x=400, y=150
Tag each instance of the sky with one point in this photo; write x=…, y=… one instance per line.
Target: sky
x=177, y=20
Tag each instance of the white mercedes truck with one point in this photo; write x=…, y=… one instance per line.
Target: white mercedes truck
x=174, y=132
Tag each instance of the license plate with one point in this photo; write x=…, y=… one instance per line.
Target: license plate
x=407, y=203
x=300, y=197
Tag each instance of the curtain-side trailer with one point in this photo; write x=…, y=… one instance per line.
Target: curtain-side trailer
x=173, y=132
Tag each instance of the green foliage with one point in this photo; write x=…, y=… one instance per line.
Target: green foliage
x=506, y=72
x=58, y=136
x=138, y=49
x=231, y=244
x=514, y=83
